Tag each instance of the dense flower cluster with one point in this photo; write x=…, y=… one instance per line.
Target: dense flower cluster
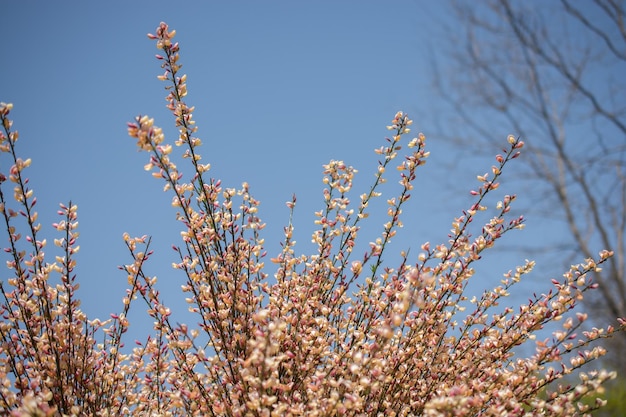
x=329, y=334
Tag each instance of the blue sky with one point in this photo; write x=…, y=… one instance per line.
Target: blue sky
x=280, y=88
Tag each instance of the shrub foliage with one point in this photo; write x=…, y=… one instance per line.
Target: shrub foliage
x=331, y=333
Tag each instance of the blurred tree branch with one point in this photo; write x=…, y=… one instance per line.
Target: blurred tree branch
x=552, y=73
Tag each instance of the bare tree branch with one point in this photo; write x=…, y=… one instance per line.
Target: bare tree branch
x=551, y=73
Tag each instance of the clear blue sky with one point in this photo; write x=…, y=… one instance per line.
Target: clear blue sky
x=279, y=88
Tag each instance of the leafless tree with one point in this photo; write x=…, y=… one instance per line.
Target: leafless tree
x=553, y=73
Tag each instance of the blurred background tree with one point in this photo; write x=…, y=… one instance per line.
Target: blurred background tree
x=554, y=74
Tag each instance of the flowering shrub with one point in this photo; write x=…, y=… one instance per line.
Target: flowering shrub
x=333, y=333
